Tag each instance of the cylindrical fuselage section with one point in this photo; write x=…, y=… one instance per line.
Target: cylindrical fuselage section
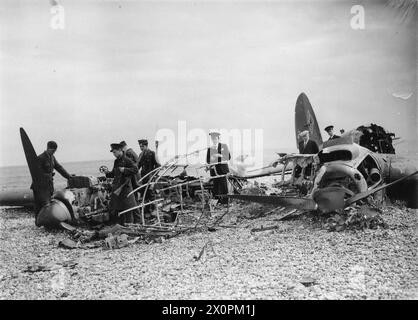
x=407, y=190
x=16, y=197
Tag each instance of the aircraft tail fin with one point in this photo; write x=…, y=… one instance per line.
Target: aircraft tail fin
x=305, y=119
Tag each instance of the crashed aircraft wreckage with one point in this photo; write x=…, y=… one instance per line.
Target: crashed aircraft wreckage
x=86, y=198
x=348, y=169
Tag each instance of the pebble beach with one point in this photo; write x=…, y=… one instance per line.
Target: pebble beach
x=296, y=260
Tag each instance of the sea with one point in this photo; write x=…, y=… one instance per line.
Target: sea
x=18, y=177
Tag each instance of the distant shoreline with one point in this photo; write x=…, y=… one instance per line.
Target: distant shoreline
x=63, y=163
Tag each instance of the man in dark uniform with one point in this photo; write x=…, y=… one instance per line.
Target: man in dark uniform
x=307, y=146
x=146, y=163
x=131, y=154
x=218, y=152
x=122, y=172
x=330, y=131
x=48, y=163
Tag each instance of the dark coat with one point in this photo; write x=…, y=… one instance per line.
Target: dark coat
x=218, y=169
x=122, y=202
x=48, y=163
x=147, y=162
x=310, y=148
x=334, y=137
x=131, y=154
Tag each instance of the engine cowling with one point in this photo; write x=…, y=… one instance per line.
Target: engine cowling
x=340, y=175
x=52, y=214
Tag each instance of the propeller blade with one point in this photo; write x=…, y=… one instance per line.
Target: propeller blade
x=39, y=180
x=294, y=202
x=363, y=195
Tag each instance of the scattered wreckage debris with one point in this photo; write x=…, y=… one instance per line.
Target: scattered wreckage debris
x=67, y=244
x=360, y=218
x=308, y=281
x=51, y=266
x=206, y=247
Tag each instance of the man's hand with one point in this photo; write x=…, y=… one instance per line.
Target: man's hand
x=121, y=169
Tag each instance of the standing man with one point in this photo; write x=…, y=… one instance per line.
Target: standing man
x=131, y=154
x=217, y=153
x=48, y=163
x=146, y=163
x=307, y=146
x=330, y=131
x=122, y=172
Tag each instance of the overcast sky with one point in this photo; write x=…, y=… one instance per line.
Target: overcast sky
x=120, y=70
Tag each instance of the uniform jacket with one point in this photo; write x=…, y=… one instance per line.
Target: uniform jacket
x=147, y=162
x=310, y=148
x=48, y=163
x=218, y=169
x=333, y=137
x=122, y=202
x=131, y=154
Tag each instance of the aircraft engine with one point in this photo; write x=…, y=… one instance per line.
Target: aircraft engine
x=84, y=200
x=340, y=175
x=90, y=198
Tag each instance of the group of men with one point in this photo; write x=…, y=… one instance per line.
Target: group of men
x=132, y=172
x=308, y=146
x=129, y=172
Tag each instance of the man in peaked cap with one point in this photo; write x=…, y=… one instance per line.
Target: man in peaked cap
x=330, y=131
x=48, y=163
x=218, y=152
x=147, y=162
x=307, y=146
x=122, y=172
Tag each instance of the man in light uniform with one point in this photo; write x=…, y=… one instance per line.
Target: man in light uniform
x=217, y=153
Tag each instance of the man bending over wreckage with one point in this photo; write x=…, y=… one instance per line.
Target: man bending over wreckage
x=123, y=170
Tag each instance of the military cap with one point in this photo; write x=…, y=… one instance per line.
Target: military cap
x=115, y=146
x=143, y=141
x=214, y=133
x=329, y=128
x=123, y=143
x=303, y=133
x=52, y=145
